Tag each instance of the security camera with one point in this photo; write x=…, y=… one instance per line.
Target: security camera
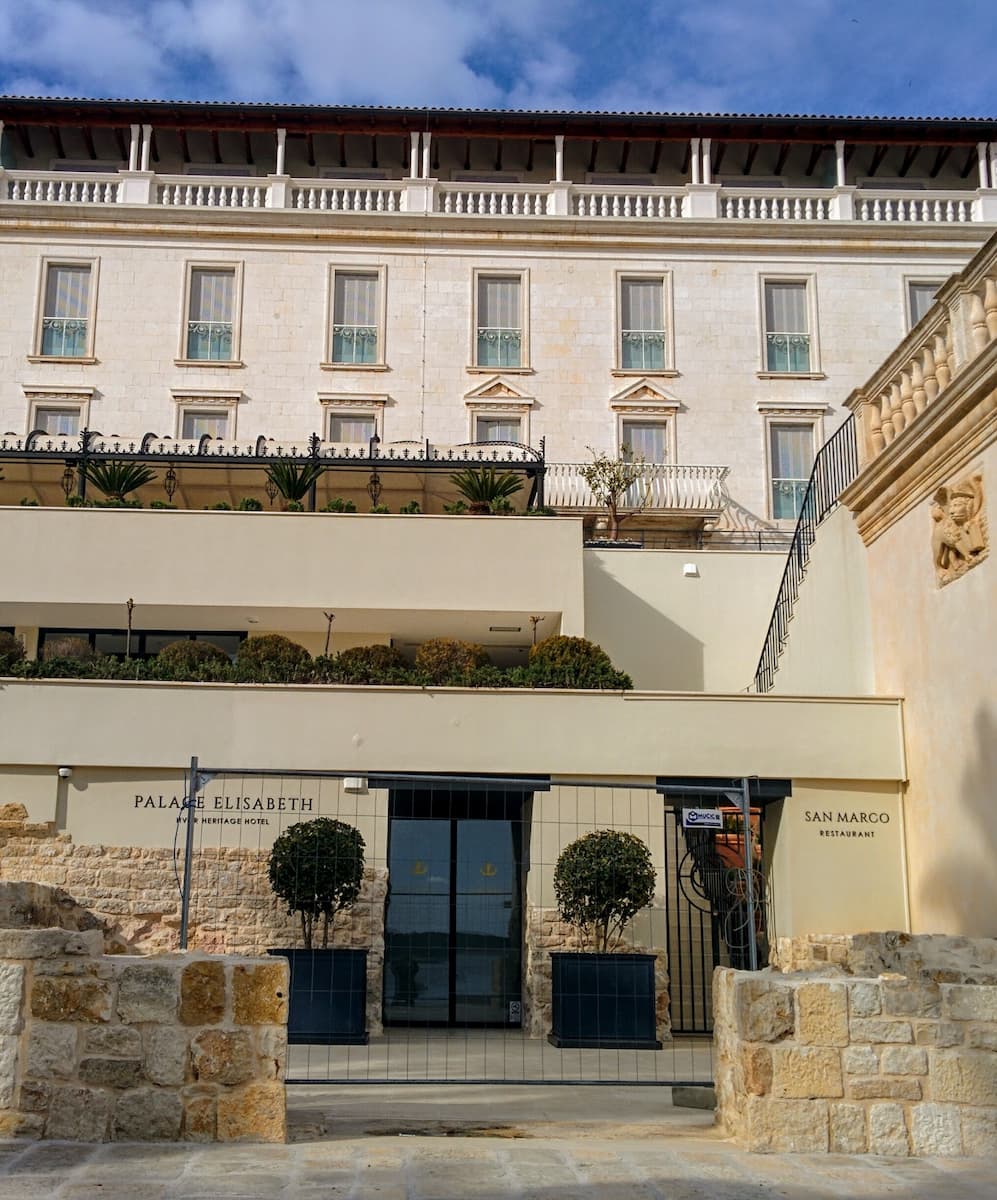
x=65, y=772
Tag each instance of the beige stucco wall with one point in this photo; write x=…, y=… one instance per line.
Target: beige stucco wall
x=218, y=570
x=699, y=632
x=250, y=727
x=938, y=647
x=858, y=305
x=836, y=855
x=829, y=651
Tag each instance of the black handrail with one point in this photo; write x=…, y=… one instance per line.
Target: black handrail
x=835, y=466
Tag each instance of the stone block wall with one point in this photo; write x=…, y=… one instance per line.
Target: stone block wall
x=176, y=1047
x=544, y=932
x=131, y=893
x=827, y=1060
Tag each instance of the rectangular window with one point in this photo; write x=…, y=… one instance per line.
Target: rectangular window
x=642, y=325
x=195, y=424
x=355, y=318
x=498, y=429
x=791, y=459
x=65, y=325
x=499, y=323
x=920, y=297
x=787, y=327
x=646, y=439
x=211, y=314
x=353, y=428
x=60, y=422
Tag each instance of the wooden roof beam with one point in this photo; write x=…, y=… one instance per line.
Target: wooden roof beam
x=594, y=155
x=686, y=159
x=247, y=147
x=940, y=160
x=815, y=154
x=624, y=155
x=56, y=136
x=310, y=149
x=215, y=148
x=529, y=154
x=498, y=154
x=877, y=159
x=119, y=139
x=908, y=160
x=88, y=141
x=184, y=146
x=373, y=151
x=749, y=158
x=656, y=157
x=780, y=162
x=972, y=158
x=719, y=157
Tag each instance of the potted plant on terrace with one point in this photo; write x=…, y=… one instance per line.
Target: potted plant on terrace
x=616, y=483
x=116, y=479
x=294, y=481
x=316, y=868
x=484, y=487
x=601, y=997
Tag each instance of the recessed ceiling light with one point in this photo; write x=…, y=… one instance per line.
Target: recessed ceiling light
x=252, y=621
x=505, y=629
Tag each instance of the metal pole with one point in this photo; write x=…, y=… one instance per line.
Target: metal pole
x=749, y=875
x=190, y=806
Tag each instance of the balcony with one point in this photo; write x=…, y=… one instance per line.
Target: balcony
x=380, y=197
x=662, y=488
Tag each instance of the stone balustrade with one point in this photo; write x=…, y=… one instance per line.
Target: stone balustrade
x=554, y=199
x=956, y=330
x=880, y=1044
x=682, y=487
x=182, y=1047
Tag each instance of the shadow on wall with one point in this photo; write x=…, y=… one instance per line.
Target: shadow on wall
x=962, y=884
x=641, y=640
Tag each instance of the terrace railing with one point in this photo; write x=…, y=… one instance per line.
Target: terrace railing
x=661, y=487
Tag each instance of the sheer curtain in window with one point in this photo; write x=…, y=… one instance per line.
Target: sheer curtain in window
x=647, y=440
x=66, y=311
x=792, y=460
x=642, y=325
x=197, y=424
x=59, y=422
x=922, y=297
x=354, y=318
x=500, y=332
x=209, y=319
x=787, y=336
x=357, y=429
x=498, y=429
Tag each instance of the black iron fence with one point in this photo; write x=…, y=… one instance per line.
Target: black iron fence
x=835, y=466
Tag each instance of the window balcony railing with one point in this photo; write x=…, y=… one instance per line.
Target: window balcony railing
x=662, y=487
x=499, y=347
x=354, y=344
x=916, y=206
x=787, y=352
x=64, y=337
x=641, y=350
x=209, y=340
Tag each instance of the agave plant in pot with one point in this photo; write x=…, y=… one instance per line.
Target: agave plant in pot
x=600, y=996
x=117, y=479
x=484, y=487
x=316, y=869
x=293, y=481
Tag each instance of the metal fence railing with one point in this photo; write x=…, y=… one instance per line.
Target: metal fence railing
x=835, y=466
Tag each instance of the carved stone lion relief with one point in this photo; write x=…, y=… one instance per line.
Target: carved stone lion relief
x=959, y=538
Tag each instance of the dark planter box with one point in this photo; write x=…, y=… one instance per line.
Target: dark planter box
x=603, y=1001
x=328, y=997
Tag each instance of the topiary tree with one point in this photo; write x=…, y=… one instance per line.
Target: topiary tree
x=272, y=658
x=448, y=660
x=371, y=664
x=316, y=868
x=574, y=662
x=601, y=882
x=611, y=479
x=11, y=651
x=184, y=657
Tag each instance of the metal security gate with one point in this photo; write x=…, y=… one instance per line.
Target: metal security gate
x=444, y=953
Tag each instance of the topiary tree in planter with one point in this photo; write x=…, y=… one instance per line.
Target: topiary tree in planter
x=316, y=869
x=574, y=662
x=449, y=660
x=272, y=658
x=601, y=998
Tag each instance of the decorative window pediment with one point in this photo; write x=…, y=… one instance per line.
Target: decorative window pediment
x=497, y=392
x=644, y=395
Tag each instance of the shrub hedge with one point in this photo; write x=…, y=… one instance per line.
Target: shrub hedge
x=448, y=660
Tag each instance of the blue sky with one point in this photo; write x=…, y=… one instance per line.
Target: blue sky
x=856, y=57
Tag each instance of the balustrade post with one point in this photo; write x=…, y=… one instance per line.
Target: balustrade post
x=558, y=157
x=418, y=196
x=133, y=147
x=278, y=191
x=559, y=199
x=843, y=203
x=702, y=201
x=136, y=187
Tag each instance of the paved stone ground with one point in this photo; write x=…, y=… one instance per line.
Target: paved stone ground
x=479, y=1143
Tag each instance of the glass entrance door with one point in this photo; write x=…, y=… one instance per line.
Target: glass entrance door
x=453, y=921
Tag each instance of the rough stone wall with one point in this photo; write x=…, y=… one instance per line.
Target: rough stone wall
x=95, y=1048
x=943, y=958
x=544, y=932
x=853, y=1063
x=131, y=893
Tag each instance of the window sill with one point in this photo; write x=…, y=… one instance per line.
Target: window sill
x=80, y=361
x=790, y=375
x=228, y=363
x=628, y=373
x=471, y=370
x=335, y=366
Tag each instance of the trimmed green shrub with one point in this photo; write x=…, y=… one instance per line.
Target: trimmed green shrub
x=249, y=504
x=27, y=502
x=152, y=504
x=456, y=509
x=544, y=510
x=316, y=868
x=371, y=664
x=11, y=652
x=447, y=660
x=601, y=882
x=380, y=508
x=187, y=657
x=220, y=506
x=573, y=662
x=294, y=506
x=272, y=658
x=501, y=507
x=338, y=505
x=410, y=508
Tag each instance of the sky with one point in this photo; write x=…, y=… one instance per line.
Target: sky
x=844, y=57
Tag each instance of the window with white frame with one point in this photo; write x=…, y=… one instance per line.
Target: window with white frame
x=211, y=314
x=356, y=318
x=645, y=438
x=499, y=340
x=196, y=422
x=356, y=428
x=642, y=345
x=56, y=420
x=66, y=323
x=920, y=297
x=788, y=348
x=791, y=459
x=498, y=428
